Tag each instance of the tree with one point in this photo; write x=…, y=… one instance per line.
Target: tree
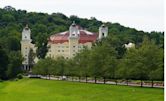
x=15, y=63
x=96, y=63
x=71, y=68
x=82, y=61
x=60, y=65
x=43, y=67
x=108, y=56
x=32, y=56
x=9, y=8
x=42, y=45
x=143, y=63
x=8, y=18
x=3, y=64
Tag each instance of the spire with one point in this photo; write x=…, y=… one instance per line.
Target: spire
x=103, y=31
x=74, y=31
x=26, y=33
x=26, y=27
x=73, y=24
x=103, y=25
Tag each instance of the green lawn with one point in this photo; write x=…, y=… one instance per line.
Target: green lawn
x=49, y=90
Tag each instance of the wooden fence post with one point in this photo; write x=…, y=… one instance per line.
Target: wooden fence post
x=152, y=84
x=95, y=80
x=141, y=83
x=104, y=80
x=86, y=79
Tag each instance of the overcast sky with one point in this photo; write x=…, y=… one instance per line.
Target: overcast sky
x=147, y=15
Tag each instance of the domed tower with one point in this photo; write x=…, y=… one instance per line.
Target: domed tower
x=73, y=38
x=73, y=30
x=26, y=34
x=103, y=31
x=26, y=47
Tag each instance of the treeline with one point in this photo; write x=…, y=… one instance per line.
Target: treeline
x=10, y=64
x=42, y=25
x=145, y=62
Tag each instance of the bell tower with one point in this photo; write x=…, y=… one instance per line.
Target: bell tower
x=26, y=33
x=26, y=47
x=73, y=30
x=103, y=31
x=73, y=39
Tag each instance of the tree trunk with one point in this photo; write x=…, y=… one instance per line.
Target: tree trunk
x=104, y=80
x=116, y=82
x=141, y=83
x=152, y=84
x=67, y=78
x=95, y=80
x=127, y=82
x=72, y=78
x=79, y=78
x=49, y=76
x=86, y=79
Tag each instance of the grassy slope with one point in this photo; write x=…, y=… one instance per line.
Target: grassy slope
x=46, y=90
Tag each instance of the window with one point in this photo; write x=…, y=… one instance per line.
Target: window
x=58, y=50
x=74, y=46
x=62, y=50
x=73, y=50
x=102, y=34
x=67, y=46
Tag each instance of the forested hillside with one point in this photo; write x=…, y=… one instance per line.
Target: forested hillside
x=43, y=25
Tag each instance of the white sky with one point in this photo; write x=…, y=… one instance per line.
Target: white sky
x=147, y=15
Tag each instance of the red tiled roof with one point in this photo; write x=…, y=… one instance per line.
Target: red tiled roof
x=84, y=37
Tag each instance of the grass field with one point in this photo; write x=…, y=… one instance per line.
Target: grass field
x=48, y=90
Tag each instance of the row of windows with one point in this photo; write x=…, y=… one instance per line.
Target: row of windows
x=68, y=46
x=63, y=46
x=64, y=51
x=61, y=51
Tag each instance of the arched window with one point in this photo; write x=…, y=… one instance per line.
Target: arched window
x=103, y=34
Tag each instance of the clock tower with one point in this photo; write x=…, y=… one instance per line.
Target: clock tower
x=26, y=47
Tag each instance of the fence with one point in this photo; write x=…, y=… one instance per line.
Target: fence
x=143, y=83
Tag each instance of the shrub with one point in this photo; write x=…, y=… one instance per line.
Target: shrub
x=19, y=76
x=1, y=80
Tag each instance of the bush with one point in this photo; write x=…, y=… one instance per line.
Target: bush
x=16, y=79
x=1, y=80
x=19, y=76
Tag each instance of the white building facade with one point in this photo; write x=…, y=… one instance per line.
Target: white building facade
x=26, y=47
